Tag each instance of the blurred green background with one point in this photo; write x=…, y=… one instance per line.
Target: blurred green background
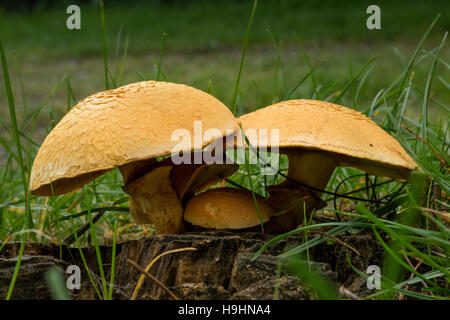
x=203, y=49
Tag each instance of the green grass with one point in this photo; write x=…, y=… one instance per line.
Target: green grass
x=405, y=90
x=46, y=94
x=47, y=52
x=57, y=283
x=203, y=25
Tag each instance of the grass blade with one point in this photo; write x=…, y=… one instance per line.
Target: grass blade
x=244, y=51
x=113, y=262
x=426, y=96
x=16, y=269
x=16, y=135
x=408, y=70
x=105, y=51
x=158, y=66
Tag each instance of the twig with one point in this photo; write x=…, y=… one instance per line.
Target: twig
x=148, y=275
x=142, y=277
x=444, y=215
x=402, y=295
x=340, y=241
x=70, y=239
x=347, y=293
x=436, y=154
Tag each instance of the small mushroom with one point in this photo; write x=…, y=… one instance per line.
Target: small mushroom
x=130, y=127
x=318, y=136
x=226, y=208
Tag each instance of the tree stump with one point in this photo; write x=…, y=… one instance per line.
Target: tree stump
x=220, y=268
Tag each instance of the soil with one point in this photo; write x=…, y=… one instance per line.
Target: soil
x=220, y=268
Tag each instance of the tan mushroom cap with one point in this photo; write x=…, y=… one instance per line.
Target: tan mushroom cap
x=354, y=139
x=120, y=126
x=226, y=208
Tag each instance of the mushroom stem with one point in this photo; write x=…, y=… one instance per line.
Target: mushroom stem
x=312, y=168
x=187, y=179
x=153, y=200
x=134, y=170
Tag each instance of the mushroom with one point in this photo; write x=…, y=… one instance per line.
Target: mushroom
x=318, y=136
x=226, y=208
x=176, y=184
x=130, y=127
x=189, y=179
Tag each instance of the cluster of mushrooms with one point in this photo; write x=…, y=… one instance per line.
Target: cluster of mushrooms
x=131, y=128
